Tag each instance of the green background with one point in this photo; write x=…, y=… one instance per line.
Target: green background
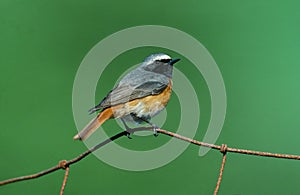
x=255, y=44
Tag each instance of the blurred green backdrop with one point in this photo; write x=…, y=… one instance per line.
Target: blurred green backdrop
x=256, y=45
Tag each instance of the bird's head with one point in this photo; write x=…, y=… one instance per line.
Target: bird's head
x=159, y=63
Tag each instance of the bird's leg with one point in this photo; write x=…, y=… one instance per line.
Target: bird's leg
x=154, y=126
x=128, y=129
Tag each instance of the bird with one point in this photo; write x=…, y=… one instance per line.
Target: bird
x=139, y=96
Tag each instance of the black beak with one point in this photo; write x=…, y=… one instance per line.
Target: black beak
x=173, y=61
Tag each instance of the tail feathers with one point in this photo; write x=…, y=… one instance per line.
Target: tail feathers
x=94, y=124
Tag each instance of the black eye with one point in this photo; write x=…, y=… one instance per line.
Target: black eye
x=164, y=60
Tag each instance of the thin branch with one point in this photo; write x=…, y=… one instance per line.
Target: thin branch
x=125, y=133
x=33, y=176
x=266, y=154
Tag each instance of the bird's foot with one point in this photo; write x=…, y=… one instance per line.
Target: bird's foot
x=128, y=134
x=155, y=128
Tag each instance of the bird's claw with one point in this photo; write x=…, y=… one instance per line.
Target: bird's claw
x=128, y=135
x=155, y=133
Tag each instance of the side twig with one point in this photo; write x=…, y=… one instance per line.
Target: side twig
x=65, y=181
x=65, y=177
x=223, y=150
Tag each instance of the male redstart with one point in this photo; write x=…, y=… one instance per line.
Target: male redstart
x=139, y=96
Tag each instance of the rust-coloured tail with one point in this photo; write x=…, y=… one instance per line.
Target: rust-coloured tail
x=94, y=124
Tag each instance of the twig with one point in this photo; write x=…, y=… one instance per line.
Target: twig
x=33, y=176
x=124, y=133
x=266, y=154
x=223, y=150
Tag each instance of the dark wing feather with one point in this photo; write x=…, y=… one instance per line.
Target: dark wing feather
x=125, y=93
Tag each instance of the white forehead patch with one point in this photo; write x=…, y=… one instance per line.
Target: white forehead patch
x=155, y=57
x=161, y=57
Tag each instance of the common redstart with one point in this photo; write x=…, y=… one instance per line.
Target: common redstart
x=139, y=96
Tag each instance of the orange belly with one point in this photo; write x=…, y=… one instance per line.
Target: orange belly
x=148, y=106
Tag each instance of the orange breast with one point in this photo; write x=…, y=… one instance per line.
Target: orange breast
x=162, y=98
x=150, y=105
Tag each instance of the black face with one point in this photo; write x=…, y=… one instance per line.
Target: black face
x=162, y=66
x=168, y=61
